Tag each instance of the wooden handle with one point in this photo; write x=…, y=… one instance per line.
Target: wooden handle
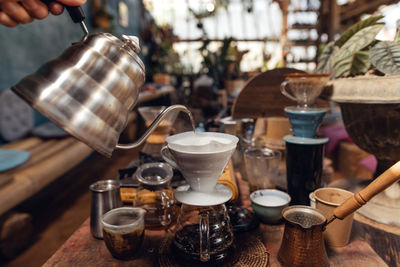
x=352, y=204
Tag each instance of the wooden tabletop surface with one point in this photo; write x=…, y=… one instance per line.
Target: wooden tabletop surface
x=81, y=249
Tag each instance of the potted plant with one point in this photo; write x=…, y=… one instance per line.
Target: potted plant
x=366, y=85
x=160, y=57
x=224, y=65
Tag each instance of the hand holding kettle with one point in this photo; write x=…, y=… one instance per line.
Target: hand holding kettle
x=13, y=12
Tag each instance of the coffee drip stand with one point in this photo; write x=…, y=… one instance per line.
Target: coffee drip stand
x=304, y=149
x=203, y=232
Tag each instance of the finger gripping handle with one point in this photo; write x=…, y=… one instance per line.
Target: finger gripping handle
x=75, y=12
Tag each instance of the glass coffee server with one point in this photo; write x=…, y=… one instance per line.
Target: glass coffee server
x=155, y=194
x=203, y=232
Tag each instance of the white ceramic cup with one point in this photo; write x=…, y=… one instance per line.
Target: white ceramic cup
x=201, y=163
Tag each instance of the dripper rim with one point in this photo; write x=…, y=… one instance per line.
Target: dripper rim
x=305, y=110
x=306, y=209
x=229, y=147
x=137, y=222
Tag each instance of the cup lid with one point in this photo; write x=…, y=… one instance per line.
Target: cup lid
x=104, y=185
x=305, y=110
x=153, y=174
x=305, y=141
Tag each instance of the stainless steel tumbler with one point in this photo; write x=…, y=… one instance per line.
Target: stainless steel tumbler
x=105, y=197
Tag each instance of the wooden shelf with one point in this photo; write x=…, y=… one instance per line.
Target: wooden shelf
x=304, y=10
x=305, y=43
x=302, y=61
x=302, y=27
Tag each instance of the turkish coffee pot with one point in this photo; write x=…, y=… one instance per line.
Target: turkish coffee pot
x=90, y=88
x=303, y=242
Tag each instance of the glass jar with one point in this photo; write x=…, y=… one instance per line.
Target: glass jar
x=155, y=194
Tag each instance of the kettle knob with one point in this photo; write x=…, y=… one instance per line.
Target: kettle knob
x=132, y=41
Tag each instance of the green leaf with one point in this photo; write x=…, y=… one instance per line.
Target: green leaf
x=385, y=56
x=355, y=64
x=326, y=59
x=355, y=28
x=359, y=41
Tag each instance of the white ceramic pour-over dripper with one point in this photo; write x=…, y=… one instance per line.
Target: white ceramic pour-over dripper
x=201, y=157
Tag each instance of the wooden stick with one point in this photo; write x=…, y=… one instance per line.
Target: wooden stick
x=385, y=180
x=32, y=179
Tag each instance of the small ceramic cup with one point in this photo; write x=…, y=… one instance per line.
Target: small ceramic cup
x=268, y=204
x=123, y=231
x=337, y=233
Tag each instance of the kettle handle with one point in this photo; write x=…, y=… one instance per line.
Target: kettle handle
x=75, y=12
x=384, y=180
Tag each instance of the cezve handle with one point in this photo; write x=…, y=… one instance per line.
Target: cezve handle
x=355, y=202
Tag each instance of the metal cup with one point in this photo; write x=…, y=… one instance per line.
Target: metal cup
x=105, y=197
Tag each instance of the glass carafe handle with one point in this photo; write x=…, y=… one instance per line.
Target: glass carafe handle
x=166, y=155
x=165, y=217
x=204, y=228
x=286, y=93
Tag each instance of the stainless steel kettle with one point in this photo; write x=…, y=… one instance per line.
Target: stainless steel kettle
x=90, y=89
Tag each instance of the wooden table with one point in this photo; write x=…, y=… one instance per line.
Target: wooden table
x=81, y=249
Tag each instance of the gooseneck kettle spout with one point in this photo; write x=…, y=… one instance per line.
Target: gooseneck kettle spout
x=155, y=123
